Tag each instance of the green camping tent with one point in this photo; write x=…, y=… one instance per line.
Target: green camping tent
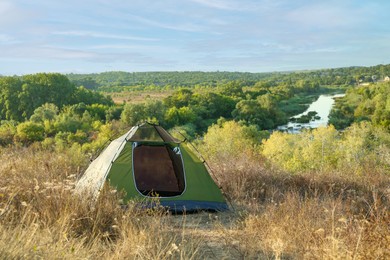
x=147, y=163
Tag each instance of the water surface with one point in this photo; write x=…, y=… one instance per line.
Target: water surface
x=323, y=105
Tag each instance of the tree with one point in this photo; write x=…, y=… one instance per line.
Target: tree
x=10, y=87
x=179, y=98
x=97, y=111
x=155, y=109
x=47, y=111
x=232, y=89
x=212, y=105
x=89, y=97
x=42, y=88
x=133, y=114
x=251, y=112
x=114, y=113
x=179, y=116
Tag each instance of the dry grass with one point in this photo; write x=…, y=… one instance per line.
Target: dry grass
x=135, y=97
x=311, y=229
x=314, y=215
x=278, y=216
x=40, y=217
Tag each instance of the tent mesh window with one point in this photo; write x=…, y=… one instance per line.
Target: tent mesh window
x=158, y=170
x=146, y=133
x=152, y=133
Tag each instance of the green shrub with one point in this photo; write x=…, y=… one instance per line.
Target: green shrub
x=7, y=132
x=326, y=149
x=228, y=140
x=29, y=132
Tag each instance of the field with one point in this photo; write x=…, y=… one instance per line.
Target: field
x=135, y=97
x=275, y=215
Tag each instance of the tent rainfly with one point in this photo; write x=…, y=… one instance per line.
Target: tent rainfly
x=147, y=163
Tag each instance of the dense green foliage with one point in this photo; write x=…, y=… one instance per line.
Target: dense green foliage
x=44, y=107
x=118, y=80
x=327, y=149
x=264, y=107
x=363, y=103
x=19, y=97
x=264, y=100
x=160, y=79
x=62, y=108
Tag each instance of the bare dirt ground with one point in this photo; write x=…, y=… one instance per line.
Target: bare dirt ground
x=210, y=229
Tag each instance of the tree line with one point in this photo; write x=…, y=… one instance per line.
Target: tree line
x=115, y=81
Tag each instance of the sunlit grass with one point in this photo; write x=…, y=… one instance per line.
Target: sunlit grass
x=276, y=215
x=135, y=97
x=41, y=217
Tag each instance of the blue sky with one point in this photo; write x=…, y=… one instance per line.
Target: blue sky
x=180, y=35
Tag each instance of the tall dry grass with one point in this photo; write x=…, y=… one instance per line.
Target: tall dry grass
x=41, y=217
x=312, y=215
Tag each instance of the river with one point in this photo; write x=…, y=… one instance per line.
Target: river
x=323, y=105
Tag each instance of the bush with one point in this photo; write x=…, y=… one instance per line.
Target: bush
x=229, y=139
x=79, y=137
x=7, y=132
x=29, y=132
x=327, y=149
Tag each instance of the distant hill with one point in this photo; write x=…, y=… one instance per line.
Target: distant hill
x=174, y=78
x=337, y=76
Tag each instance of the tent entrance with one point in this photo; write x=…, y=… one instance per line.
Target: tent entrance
x=158, y=170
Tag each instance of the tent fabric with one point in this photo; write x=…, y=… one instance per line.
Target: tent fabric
x=95, y=175
x=147, y=163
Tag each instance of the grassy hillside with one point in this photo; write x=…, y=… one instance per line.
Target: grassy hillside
x=320, y=194
x=313, y=212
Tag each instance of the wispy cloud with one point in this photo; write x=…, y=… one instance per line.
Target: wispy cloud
x=103, y=35
x=326, y=15
x=218, y=4
x=7, y=39
x=12, y=15
x=44, y=52
x=255, y=35
x=76, y=55
x=182, y=26
x=124, y=48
